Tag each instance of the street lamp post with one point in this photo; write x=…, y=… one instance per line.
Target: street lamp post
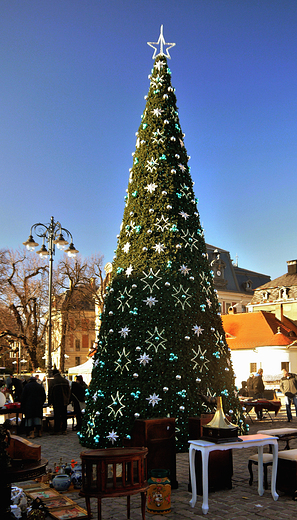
x=53, y=234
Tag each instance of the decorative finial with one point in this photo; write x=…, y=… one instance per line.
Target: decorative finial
x=161, y=42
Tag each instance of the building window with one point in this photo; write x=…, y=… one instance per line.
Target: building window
x=283, y=293
x=77, y=344
x=253, y=367
x=285, y=364
x=85, y=324
x=77, y=361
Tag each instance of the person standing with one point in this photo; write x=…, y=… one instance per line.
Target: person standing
x=77, y=398
x=258, y=388
x=16, y=389
x=288, y=387
x=249, y=385
x=32, y=400
x=243, y=390
x=59, y=397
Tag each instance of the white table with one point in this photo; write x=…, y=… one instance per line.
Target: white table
x=247, y=441
x=283, y=434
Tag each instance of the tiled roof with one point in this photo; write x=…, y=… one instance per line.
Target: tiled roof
x=286, y=280
x=257, y=329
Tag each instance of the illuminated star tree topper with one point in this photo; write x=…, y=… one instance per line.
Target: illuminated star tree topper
x=162, y=43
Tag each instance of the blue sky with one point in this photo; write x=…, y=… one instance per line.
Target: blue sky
x=74, y=74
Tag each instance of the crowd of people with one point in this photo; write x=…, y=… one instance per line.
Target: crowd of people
x=31, y=394
x=254, y=388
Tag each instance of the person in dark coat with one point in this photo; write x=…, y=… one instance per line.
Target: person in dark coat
x=16, y=389
x=59, y=397
x=243, y=390
x=258, y=387
x=249, y=385
x=32, y=400
x=78, y=388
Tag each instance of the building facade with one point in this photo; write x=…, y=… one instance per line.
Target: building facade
x=261, y=340
x=278, y=296
x=73, y=328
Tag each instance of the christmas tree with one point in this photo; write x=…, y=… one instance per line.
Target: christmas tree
x=161, y=345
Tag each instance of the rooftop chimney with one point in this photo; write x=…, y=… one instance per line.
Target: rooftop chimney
x=292, y=266
x=279, y=312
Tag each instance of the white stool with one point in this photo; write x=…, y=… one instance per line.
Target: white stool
x=267, y=461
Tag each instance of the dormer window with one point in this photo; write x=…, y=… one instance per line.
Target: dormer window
x=283, y=293
x=248, y=285
x=265, y=296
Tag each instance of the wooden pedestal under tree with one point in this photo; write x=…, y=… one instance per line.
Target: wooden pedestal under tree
x=220, y=465
x=158, y=435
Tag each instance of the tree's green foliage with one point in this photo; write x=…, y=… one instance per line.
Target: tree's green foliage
x=161, y=342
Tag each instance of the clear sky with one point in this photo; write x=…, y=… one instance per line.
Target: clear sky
x=74, y=74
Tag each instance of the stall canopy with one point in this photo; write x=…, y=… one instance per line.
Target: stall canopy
x=84, y=370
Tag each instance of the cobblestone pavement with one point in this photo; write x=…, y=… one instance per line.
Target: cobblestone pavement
x=242, y=502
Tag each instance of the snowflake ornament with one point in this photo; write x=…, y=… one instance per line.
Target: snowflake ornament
x=144, y=359
x=190, y=240
x=123, y=361
x=116, y=406
x=197, y=330
x=184, y=215
x=159, y=65
x=199, y=359
x=150, y=301
x=157, y=112
x=129, y=270
x=184, y=270
x=124, y=299
x=124, y=332
x=153, y=399
x=151, y=164
x=151, y=187
x=156, y=340
x=126, y=247
x=151, y=280
x=158, y=137
x=159, y=248
x=162, y=223
x=112, y=436
x=181, y=295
